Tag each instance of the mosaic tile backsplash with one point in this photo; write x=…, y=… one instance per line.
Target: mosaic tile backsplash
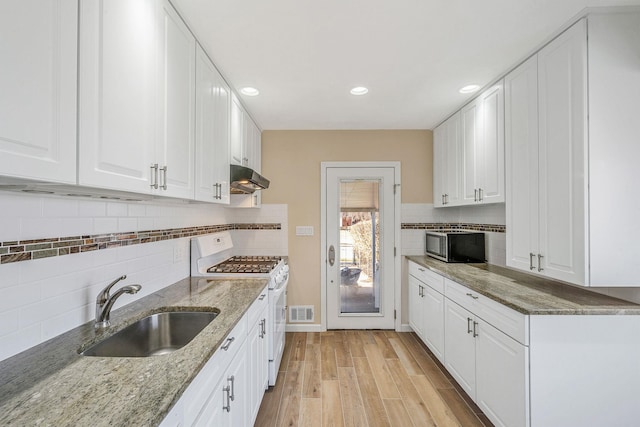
x=25, y=250
x=439, y=226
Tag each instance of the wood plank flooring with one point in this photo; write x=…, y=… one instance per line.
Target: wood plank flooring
x=364, y=378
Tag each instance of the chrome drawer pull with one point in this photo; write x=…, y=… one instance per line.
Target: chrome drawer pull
x=540, y=262
x=531, y=255
x=469, y=294
x=475, y=332
x=227, y=343
x=469, y=325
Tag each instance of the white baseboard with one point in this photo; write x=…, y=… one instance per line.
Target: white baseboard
x=309, y=327
x=405, y=328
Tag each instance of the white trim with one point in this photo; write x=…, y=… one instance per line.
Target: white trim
x=313, y=327
x=405, y=328
x=397, y=234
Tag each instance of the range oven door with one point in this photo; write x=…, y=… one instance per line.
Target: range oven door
x=277, y=325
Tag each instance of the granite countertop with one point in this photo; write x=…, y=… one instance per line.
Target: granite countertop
x=526, y=293
x=52, y=385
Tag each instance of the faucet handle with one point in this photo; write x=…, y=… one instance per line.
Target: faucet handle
x=103, y=295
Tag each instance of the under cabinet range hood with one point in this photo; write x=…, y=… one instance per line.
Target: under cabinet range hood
x=245, y=180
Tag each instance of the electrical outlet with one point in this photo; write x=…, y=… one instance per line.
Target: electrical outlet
x=178, y=254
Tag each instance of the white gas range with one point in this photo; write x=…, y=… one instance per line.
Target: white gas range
x=212, y=256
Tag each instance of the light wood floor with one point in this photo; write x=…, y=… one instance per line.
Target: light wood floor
x=364, y=378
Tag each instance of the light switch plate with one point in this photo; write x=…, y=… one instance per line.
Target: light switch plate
x=304, y=230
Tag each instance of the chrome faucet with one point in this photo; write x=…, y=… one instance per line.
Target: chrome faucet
x=104, y=301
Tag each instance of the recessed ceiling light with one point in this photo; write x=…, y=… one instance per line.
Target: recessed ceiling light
x=469, y=89
x=359, y=90
x=249, y=91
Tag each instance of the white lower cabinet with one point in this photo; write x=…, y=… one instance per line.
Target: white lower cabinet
x=228, y=390
x=426, y=307
x=502, y=373
x=480, y=342
x=258, y=365
x=460, y=356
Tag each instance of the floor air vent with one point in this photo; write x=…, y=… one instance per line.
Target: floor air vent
x=301, y=313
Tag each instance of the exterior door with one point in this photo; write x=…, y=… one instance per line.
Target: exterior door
x=360, y=241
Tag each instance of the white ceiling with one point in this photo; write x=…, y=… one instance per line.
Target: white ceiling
x=305, y=55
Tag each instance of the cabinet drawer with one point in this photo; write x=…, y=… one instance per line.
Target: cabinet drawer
x=427, y=276
x=501, y=317
x=256, y=308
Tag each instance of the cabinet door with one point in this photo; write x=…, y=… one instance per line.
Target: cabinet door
x=521, y=134
x=416, y=312
x=258, y=364
x=470, y=130
x=439, y=164
x=212, y=132
x=38, y=85
x=434, y=321
x=490, y=151
x=237, y=132
x=237, y=377
x=501, y=377
x=119, y=103
x=175, y=151
x=459, y=346
x=453, y=162
x=562, y=76
x=447, y=161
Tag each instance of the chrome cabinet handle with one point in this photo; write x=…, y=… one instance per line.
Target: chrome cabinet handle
x=446, y=199
x=217, y=191
x=475, y=194
x=480, y=196
x=531, y=255
x=540, y=262
x=469, y=325
x=262, y=297
x=232, y=379
x=421, y=269
x=469, y=294
x=164, y=175
x=332, y=255
x=475, y=332
x=443, y=199
x=227, y=343
x=154, y=176
x=263, y=329
x=227, y=407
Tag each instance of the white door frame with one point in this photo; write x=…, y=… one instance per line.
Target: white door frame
x=397, y=262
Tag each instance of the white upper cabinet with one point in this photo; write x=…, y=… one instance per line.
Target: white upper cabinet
x=483, y=147
x=546, y=154
x=614, y=148
x=562, y=77
x=469, y=153
x=175, y=152
x=447, y=151
x=582, y=132
x=490, y=154
x=119, y=99
x=38, y=85
x=137, y=88
x=212, y=132
x=238, y=133
x=521, y=151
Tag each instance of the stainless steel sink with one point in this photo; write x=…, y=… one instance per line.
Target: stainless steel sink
x=154, y=335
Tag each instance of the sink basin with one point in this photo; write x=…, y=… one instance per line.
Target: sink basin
x=154, y=335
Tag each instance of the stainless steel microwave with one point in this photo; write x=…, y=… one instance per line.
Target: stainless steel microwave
x=455, y=246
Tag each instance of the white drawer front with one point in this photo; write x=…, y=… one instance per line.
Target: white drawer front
x=258, y=305
x=500, y=316
x=427, y=276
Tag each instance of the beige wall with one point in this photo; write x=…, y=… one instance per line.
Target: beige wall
x=291, y=160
